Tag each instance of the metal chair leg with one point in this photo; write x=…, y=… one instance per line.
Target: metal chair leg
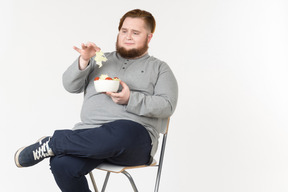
x=131, y=180
x=160, y=163
x=93, y=181
x=106, y=181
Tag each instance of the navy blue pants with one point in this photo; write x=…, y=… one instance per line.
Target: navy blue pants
x=78, y=152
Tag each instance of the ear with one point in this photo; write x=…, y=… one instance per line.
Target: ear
x=150, y=37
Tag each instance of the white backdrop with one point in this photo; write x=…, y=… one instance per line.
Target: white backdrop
x=229, y=132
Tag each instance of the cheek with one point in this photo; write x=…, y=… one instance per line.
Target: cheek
x=120, y=37
x=141, y=41
x=121, y=40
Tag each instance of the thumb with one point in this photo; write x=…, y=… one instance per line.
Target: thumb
x=124, y=85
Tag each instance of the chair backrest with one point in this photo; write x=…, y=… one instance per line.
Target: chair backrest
x=167, y=126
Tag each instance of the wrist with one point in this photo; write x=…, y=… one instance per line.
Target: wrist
x=83, y=63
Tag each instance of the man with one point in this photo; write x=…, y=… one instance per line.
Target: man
x=122, y=127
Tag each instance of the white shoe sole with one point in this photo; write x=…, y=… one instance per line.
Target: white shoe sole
x=16, y=157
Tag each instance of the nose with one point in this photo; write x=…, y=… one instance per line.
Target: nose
x=129, y=36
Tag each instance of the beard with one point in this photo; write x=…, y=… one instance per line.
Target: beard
x=132, y=53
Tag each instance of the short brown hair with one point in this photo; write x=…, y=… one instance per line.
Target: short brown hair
x=137, y=13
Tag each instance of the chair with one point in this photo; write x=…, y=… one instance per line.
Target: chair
x=111, y=168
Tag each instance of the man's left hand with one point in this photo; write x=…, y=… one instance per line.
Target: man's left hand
x=122, y=97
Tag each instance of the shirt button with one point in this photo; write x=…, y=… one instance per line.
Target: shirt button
x=123, y=67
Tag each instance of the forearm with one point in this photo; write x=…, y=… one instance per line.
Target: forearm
x=74, y=77
x=162, y=103
x=151, y=106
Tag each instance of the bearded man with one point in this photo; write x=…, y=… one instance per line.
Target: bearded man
x=117, y=127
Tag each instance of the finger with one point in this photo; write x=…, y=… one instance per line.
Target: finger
x=115, y=95
x=77, y=49
x=89, y=43
x=95, y=47
x=108, y=93
x=83, y=46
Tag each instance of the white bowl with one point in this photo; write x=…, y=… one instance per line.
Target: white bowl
x=106, y=85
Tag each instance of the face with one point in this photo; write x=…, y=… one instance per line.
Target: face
x=133, y=38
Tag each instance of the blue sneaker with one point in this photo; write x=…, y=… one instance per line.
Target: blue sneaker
x=33, y=154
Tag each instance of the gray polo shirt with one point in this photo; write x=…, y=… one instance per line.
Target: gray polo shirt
x=153, y=96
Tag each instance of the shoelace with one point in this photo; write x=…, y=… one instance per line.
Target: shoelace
x=42, y=151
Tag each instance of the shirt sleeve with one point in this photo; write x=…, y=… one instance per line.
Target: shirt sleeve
x=74, y=79
x=162, y=103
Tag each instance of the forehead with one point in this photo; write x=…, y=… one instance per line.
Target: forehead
x=134, y=23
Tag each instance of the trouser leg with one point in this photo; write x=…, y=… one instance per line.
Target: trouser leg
x=69, y=172
x=78, y=152
x=121, y=142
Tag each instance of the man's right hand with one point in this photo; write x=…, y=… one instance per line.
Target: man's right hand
x=88, y=50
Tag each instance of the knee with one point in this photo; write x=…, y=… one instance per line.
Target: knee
x=60, y=165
